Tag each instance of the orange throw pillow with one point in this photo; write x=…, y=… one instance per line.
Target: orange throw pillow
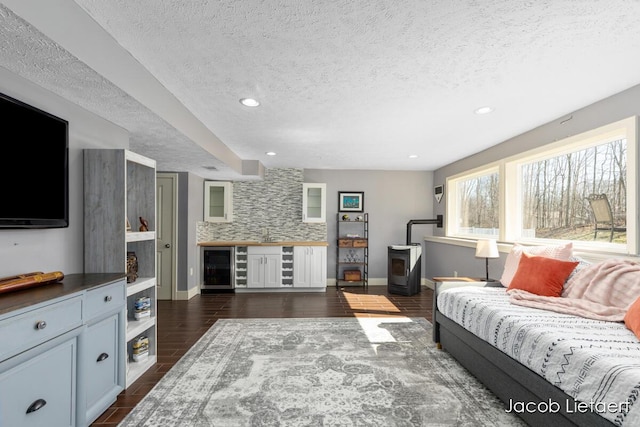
x=541, y=275
x=632, y=318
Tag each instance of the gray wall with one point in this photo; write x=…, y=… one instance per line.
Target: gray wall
x=391, y=198
x=273, y=204
x=451, y=258
x=59, y=249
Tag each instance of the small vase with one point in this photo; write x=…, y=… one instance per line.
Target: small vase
x=132, y=267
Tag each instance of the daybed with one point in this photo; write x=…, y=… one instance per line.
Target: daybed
x=550, y=367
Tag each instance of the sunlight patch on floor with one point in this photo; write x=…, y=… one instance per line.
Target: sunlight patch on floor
x=379, y=303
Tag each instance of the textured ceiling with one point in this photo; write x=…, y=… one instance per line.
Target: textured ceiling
x=346, y=84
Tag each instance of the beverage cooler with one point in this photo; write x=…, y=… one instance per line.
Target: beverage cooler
x=217, y=268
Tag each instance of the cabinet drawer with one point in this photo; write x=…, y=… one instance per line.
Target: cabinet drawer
x=264, y=250
x=105, y=299
x=36, y=326
x=40, y=391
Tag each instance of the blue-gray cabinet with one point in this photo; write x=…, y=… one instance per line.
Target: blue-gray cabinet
x=62, y=361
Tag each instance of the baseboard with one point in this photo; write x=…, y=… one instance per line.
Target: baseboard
x=187, y=295
x=384, y=282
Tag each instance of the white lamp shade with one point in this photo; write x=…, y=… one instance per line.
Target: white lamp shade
x=487, y=248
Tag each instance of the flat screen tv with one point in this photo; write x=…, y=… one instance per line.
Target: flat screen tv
x=34, y=176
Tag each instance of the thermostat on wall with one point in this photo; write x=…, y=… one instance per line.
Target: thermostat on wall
x=438, y=191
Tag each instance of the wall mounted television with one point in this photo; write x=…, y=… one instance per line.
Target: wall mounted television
x=35, y=167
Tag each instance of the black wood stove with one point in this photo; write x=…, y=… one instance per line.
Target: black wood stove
x=404, y=268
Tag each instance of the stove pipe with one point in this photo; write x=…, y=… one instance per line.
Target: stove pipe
x=437, y=221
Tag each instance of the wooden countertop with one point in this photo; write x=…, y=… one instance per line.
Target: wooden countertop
x=256, y=243
x=70, y=284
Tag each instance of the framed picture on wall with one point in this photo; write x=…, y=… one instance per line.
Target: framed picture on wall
x=351, y=201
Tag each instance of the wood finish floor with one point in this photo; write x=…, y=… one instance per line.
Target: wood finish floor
x=182, y=323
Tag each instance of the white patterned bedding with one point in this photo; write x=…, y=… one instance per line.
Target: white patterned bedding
x=593, y=361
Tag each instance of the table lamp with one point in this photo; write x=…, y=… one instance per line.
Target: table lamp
x=487, y=248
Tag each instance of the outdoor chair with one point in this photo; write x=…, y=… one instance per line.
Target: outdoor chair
x=602, y=215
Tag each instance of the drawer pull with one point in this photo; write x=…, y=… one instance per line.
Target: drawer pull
x=102, y=357
x=36, y=405
x=108, y=298
x=41, y=325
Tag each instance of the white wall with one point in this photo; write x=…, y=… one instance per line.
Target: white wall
x=60, y=249
x=391, y=198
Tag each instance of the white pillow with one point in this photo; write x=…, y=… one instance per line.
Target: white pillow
x=561, y=252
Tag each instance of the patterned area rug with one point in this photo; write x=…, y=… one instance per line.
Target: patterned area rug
x=319, y=372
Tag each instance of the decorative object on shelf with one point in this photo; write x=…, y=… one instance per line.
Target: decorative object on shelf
x=352, y=275
x=140, y=348
x=132, y=267
x=487, y=248
x=144, y=224
x=352, y=201
x=128, y=225
x=359, y=218
x=29, y=280
x=142, y=308
x=345, y=217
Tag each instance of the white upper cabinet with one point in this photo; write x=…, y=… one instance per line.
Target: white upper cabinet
x=218, y=201
x=314, y=202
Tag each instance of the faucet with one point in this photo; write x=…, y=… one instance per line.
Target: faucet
x=265, y=235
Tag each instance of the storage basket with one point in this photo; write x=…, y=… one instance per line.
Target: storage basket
x=352, y=275
x=345, y=243
x=360, y=243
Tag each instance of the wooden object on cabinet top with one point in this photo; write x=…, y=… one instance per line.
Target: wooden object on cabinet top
x=256, y=243
x=70, y=284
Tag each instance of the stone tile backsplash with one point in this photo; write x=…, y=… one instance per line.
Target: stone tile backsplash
x=273, y=205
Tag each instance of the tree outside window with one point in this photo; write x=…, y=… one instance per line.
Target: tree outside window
x=555, y=190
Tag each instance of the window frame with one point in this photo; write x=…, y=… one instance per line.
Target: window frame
x=452, y=207
x=509, y=177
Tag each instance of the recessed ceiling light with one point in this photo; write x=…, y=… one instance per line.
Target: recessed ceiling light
x=270, y=153
x=413, y=156
x=249, y=102
x=484, y=110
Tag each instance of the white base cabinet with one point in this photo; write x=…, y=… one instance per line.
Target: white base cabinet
x=309, y=266
x=264, y=266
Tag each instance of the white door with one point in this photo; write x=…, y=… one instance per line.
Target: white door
x=300, y=266
x=272, y=271
x=317, y=269
x=255, y=271
x=166, y=234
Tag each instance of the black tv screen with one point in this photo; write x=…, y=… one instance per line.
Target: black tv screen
x=35, y=169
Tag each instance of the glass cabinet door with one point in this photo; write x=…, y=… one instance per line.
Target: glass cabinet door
x=218, y=199
x=314, y=202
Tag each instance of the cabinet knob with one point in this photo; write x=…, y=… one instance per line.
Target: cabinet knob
x=36, y=405
x=41, y=325
x=102, y=357
x=108, y=298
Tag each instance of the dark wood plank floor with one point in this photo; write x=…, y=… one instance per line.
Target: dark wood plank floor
x=182, y=323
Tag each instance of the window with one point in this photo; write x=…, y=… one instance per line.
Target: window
x=477, y=204
x=543, y=195
x=555, y=194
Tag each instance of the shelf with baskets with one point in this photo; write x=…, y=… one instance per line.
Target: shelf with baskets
x=352, y=249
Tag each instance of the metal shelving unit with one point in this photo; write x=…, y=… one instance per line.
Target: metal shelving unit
x=352, y=249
